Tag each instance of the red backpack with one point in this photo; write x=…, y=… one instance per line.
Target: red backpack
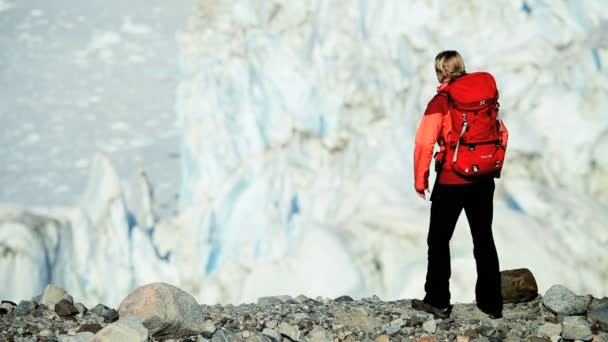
x=477, y=142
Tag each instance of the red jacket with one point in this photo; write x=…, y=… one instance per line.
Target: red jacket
x=433, y=129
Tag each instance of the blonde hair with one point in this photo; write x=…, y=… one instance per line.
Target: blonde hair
x=450, y=63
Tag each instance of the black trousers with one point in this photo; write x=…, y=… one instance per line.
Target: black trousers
x=447, y=203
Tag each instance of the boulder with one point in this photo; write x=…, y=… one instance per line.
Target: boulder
x=165, y=310
x=561, y=301
x=518, y=285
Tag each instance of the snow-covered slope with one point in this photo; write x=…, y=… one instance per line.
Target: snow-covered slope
x=298, y=122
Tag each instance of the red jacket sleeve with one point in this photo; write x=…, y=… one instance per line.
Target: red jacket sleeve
x=427, y=135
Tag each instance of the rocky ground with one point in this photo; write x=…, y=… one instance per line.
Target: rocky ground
x=163, y=312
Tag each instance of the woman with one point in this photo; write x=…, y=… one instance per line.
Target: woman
x=451, y=194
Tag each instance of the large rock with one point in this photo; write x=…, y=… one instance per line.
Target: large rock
x=576, y=328
x=561, y=301
x=600, y=317
x=126, y=329
x=167, y=311
x=518, y=285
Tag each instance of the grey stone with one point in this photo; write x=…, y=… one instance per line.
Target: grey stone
x=223, y=335
x=602, y=336
x=43, y=333
x=598, y=303
x=80, y=337
x=430, y=326
x=537, y=339
x=550, y=329
x=24, y=308
x=291, y=331
x=81, y=308
x=275, y=300
x=576, y=328
x=69, y=298
x=52, y=295
x=486, y=330
x=600, y=316
x=166, y=311
x=272, y=334
x=37, y=298
x=110, y=316
x=207, y=329
x=258, y=338
x=562, y=301
x=126, y=329
x=480, y=339
x=302, y=299
x=99, y=310
x=392, y=330
x=318, y=334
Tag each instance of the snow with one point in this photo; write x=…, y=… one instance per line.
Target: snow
x=293, y=136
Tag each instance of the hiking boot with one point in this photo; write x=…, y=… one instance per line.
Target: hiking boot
x=420, y=305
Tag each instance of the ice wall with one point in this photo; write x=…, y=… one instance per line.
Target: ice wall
x=303, y=114
x=298, y=123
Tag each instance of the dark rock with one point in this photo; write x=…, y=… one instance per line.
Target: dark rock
x=90, y=327
x=518, y=285
x=551, y=319
x=38, y=312
x=110, y=316
x=599, y=317
x=3, y=311
x=597, y=304
x=344, y=299
x=99, y=310
x=64, y=308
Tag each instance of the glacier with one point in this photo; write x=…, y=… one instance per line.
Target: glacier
x=298, y=122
